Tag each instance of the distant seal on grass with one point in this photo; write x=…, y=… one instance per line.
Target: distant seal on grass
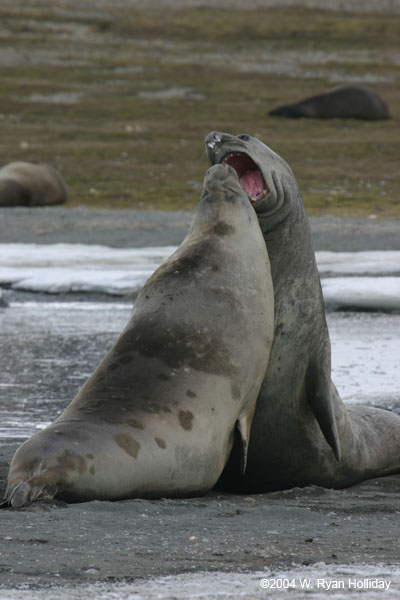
x=31, y=184
x=158, y=416
x=302, y=433
x=346, y=102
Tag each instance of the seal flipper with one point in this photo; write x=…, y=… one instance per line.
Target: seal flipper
x=243, y=425
x=18, y=494
x=24, y=492
x=319, y=395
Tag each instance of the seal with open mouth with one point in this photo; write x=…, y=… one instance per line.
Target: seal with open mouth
x=302, y=433
x=158, y=416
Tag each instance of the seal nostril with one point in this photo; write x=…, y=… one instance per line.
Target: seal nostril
x=244, y=137
x=216, y=136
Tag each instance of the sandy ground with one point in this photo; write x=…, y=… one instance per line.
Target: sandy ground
x=121, y=541
x=130, y=228
x=48, y=544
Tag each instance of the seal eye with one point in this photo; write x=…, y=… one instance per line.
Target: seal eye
x=244, y=137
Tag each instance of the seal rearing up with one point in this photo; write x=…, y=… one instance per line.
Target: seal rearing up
x=158, y=416
x=302, y=433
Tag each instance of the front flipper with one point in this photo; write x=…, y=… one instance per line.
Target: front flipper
x=243, y=425
x=319, y=390
x=31, y=490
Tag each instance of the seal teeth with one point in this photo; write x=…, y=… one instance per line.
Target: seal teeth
x=231, y=155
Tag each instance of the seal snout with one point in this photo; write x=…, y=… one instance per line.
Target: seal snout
x=218, y=177
x=220, y=172
x=214, y=138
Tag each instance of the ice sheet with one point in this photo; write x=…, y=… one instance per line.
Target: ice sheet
x=64, y=268
x=365, y=293
x=375, y=262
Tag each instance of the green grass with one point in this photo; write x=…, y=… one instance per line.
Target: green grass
x=117, y=149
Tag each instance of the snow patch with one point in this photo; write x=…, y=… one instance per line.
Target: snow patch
x=363, y=280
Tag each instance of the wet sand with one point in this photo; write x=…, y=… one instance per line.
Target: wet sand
x=133, y=228
x=96, y=541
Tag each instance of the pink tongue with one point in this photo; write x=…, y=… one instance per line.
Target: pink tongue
x=252, y=183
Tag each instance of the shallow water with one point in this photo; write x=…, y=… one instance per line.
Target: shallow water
x=49, y=349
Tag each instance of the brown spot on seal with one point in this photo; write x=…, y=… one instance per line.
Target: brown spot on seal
x=127, y=443
x=126, y=359
x=71, y=460
x=201, y=349
x=191, y=394
x=161, y=443
x=135, y=423
x=223, y=229
x=163, y=377
x=235, y=391
x=185, y=419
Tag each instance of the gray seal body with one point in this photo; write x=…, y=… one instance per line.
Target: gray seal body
x=159, y=415
x=31, y=184
x=344, y=102
x=302, y=433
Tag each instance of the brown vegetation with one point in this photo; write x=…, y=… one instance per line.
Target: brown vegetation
x=119, y=100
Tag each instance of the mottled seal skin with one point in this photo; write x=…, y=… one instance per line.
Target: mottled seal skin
x=159, y=415
x=302, y=433
x=31, y=184
x=345, y=102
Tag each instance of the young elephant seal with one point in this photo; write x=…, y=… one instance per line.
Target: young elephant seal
x=302, y=433
x=344, y=102
x=158, y=416
x=31, y=184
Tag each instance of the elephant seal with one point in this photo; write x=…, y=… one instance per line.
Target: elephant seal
x=344, y=102
x=302, y=433
x=158, y=416
x=31, y=184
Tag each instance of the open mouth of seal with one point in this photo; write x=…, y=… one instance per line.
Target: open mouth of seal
x=249, y=174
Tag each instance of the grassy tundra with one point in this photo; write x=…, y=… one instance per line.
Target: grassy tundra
x=119, y=95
